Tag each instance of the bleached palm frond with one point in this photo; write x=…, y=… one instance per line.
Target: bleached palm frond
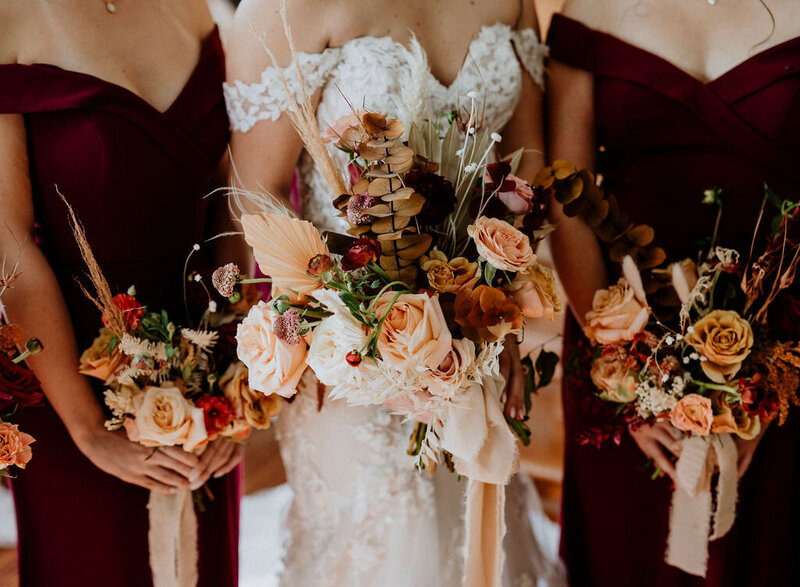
x=283, y=247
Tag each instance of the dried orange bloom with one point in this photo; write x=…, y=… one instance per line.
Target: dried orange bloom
x=449, y=276
x=486, y=313
x=11, y=337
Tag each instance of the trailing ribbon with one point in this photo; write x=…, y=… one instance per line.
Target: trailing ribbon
x=698, y=517
x=485, y=450
x=173, y=539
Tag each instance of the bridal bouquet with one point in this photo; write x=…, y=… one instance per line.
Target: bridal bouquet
x=19, y=386
x=411, y=308
x=724, y=361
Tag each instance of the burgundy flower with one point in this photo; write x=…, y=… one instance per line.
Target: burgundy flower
x=360, y=253
x=18, y=385
x=440, y=195
x=353, y=358
x=318, y=265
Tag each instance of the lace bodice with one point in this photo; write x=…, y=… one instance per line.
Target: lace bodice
x=384, y=75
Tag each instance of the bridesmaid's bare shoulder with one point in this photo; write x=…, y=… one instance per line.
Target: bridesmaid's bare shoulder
x=13, y=16
x=604, y=15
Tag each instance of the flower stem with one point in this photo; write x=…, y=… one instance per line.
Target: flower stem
x=256, y=280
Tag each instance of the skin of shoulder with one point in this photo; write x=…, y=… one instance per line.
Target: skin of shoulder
x=600, y=14
x=11, y=23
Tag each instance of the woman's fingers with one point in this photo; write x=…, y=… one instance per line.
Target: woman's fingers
x=167, y=477
x=153, y=484
x=661, y=459
x=162, y=459
x=515, y=395
x=187, y=458
x=234, y=459
x=662, y=433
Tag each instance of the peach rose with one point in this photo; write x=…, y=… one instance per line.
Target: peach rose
x=164, y=417
x=14, y=446
x=618, y=314
x=275, y=366
x=251, y=407
x=503, y=246
x=724, y=339
x=534, y=290
x=733, y=419
x=451, y=374
x=449, y=276
x=97, y=361
x=693, y=414
x=520, y=200
x=414, y=331
x=615, y=381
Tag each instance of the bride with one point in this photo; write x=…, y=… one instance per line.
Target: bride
x=362, y=515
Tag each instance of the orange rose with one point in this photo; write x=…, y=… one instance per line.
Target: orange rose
x=733, y=419
x=693, y=414
x=486, y=314
x=724, y=339
x=14, y=446
x=617, y=314
x=535, y=292
x=613, y=379
x=414, y=331
x=503, y=246
x=252, y=408
x=97, y=361
x=275, y=365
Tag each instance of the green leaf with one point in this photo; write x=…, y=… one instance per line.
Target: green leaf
x=546, y=364
x=489, y=272
x=351, y=302
x=521, y=429
x=515, y=157
x=530, y=382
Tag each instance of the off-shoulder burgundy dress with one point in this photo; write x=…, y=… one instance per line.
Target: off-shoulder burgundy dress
x=136, y=178
x=663, y=138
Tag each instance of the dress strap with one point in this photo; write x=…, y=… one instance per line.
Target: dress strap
x=531, y=52
x=266, y=99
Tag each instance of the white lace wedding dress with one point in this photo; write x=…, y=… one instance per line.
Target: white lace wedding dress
x=362, y=515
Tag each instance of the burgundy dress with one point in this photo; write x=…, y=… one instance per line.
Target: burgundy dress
x=665, y=138
x=136, y=178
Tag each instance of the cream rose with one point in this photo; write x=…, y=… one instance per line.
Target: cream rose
x=503, y=246
x=414, y=332
x=15, y=449
x=164, y=417
x=724, y=339
x=446, y=379
x=275, y=366
x=693, y=414
x=615, y=381
x=534, y=290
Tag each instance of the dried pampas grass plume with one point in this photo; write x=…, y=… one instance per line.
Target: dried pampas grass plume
x=303, y=114
x=103, y=298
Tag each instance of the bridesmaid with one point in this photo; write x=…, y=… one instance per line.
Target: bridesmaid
x=667, y=98
x=120, y=105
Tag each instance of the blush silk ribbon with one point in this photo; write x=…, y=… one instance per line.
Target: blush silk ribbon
x=697, y=516
x=173, y=539
x=484, y=450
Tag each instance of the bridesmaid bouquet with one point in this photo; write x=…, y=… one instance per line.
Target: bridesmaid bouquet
x=722, y=361
x=169, y=385
x=19, y=386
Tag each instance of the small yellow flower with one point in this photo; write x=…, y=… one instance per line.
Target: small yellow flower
x=449, y=276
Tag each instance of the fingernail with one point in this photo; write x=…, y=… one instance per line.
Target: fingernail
x=196, y=485
x=194, y=476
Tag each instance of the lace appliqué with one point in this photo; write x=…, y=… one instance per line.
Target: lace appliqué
x=267, y=99
x=532, y=54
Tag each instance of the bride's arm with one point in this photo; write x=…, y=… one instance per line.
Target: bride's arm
x=525, y=130
x=264, y=157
